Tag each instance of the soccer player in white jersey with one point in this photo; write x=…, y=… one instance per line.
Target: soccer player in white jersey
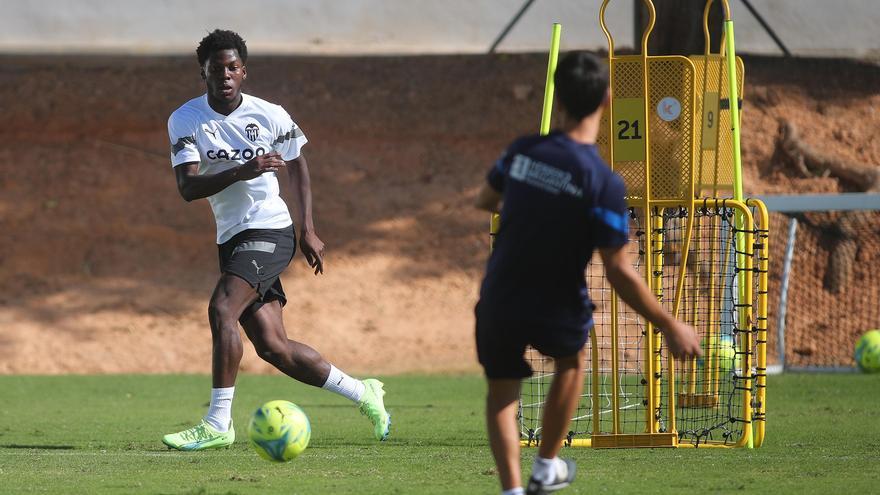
x=232, y=148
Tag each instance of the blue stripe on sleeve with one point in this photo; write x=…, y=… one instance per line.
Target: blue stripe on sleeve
x=615, y=220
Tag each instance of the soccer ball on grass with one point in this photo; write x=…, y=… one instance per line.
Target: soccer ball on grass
x=279, y=431
x=867, y=353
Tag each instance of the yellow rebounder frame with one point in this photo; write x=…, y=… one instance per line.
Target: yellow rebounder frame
x=717, y=171
x=648, y=138
x=664, y=134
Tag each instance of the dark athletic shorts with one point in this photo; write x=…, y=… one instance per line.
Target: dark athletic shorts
x=259, y=256
x=501, y=345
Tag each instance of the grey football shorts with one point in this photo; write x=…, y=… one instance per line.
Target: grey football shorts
x=259, y=256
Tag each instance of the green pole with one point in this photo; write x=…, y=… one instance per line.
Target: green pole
x=737, y=165
x=547, y=112
x=734, y=111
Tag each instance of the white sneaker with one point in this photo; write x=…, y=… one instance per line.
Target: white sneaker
x=565, y=470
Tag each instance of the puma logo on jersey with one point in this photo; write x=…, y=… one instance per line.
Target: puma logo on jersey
x=234, y=154
x=258, y=267
x=208, y=130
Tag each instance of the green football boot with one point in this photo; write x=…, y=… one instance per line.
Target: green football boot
x=200, y=437
x=373, y=407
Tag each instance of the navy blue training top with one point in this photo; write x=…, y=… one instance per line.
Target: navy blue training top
x=561, y=201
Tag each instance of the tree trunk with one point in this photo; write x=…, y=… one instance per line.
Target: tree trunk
x=678, y=29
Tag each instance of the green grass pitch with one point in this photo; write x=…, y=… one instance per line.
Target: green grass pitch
x=101, y=434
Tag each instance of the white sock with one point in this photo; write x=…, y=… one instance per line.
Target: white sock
x=544, y=470
x=344, y=385
x=514, y=491
x=220, y=411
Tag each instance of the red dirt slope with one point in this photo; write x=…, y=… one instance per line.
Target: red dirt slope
x=103, y=268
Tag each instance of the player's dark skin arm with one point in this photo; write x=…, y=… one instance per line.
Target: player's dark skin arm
x=194, y=186
x=301, y=188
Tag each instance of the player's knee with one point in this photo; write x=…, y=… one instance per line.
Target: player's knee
x=220, y=311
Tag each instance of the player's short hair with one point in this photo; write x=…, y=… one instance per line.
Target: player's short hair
x=581, y=81
x=221, y=39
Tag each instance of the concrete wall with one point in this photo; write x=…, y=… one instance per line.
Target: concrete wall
x=811, y=27
x=808, y=27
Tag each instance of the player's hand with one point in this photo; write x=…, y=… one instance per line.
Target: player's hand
x=259, y=165
x=682, y=340
x=313, y=249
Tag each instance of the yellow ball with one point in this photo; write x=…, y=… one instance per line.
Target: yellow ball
x=723, y=352
x=279, y=431
x=867, y=354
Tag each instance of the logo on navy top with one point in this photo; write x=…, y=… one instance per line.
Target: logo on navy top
x=252, y=131
x=543, y=176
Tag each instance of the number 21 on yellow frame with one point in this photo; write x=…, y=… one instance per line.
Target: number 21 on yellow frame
x=629, y=129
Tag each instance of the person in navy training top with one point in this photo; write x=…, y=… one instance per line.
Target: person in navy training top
x=559, y=201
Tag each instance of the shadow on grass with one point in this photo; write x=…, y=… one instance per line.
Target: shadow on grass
x=37, y=447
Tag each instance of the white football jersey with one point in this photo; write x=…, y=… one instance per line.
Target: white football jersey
x=219, y=142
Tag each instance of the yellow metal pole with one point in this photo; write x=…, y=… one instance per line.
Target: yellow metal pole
x=763, y=225
x=691, y=377
x=494, y=225
x=650, y=342
x=656, y=363
x=615, y=365
x=747, y=342
x=594, y=354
